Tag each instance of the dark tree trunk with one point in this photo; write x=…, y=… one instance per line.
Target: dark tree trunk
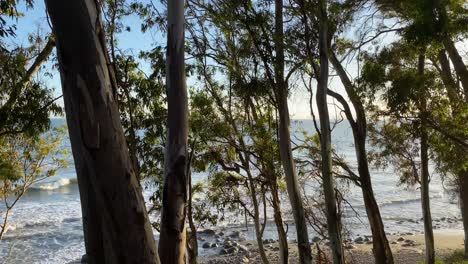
x=425, y=203
x=463, y=190
x=282, y=237
x=116, y=224
x=305, y=255
x=172, y=244
x=458, y=64
x=381, y=247
x=333, y=219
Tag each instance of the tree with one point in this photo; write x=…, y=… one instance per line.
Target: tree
x=26, y=104
x=115, y=222
x=333, y=219
x=289, y=167
x=172, y=243
x=340, y=15
x=25, y=161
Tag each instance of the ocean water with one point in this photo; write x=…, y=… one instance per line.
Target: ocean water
x=45, y=226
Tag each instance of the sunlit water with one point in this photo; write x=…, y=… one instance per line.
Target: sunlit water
x=45, y=226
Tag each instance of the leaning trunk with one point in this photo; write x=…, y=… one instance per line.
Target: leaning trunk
x=256, y=218
x=333, y=219
x=381, y=247
x=305, y=255
x=116, y=224
x=282, y=237
x=458, y=64
x=426, y=207
x=173, y=231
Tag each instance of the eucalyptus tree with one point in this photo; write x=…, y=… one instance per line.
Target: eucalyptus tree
x=439, y=24
x=172, y=243
x=115, y=221
x=243, y=101
x=340, y=17
x=404, y=92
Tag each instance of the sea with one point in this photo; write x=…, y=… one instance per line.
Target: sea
x=45, y=226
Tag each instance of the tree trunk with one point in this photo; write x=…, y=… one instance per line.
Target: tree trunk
x=381, y=247
x=425, y=203
x=305, y=255
x=458, y=65
x=172, y=244
x=256, y=216
x=282, y=237
x=463, y=190
x=333, y=219
x=116, y=224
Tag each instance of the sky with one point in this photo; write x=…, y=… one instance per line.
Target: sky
x=35, y=20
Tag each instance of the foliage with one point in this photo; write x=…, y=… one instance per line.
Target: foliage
x=25, y=106
x=27, y=161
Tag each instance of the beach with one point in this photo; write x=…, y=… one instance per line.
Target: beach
x=446, y=242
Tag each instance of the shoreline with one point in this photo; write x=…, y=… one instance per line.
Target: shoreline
x=404, y=251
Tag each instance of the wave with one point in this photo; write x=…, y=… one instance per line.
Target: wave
x=53, y=185
x=408, y=200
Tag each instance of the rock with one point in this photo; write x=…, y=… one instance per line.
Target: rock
x=233, y=250
x=350, y=246
x=210, y=232
x=316, y=239
x=359, y=239
x=248, y=244
x=218, y=240
x=206, y=245
x=409, y=234
x=276, y=249
x=84, y=259
x=401, y=239
x=214, y=245
x=223, y=252
x=394, y=242
x=243, y=248
x=245, y=260
x=268, y=241
x=221, y=233
x=236, y=234
x=228, y=244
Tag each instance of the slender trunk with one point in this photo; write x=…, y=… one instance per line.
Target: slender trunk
x=425, y=203
x=463, y=192
x=256, y=218
x=333, y=219
x=282, y=237
x=381, y=247
x=447, y=78
x=116, y=219
x=5, y=223
x=192, y=239
x=458, y=64
x=173, y=229
x=305, y=255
